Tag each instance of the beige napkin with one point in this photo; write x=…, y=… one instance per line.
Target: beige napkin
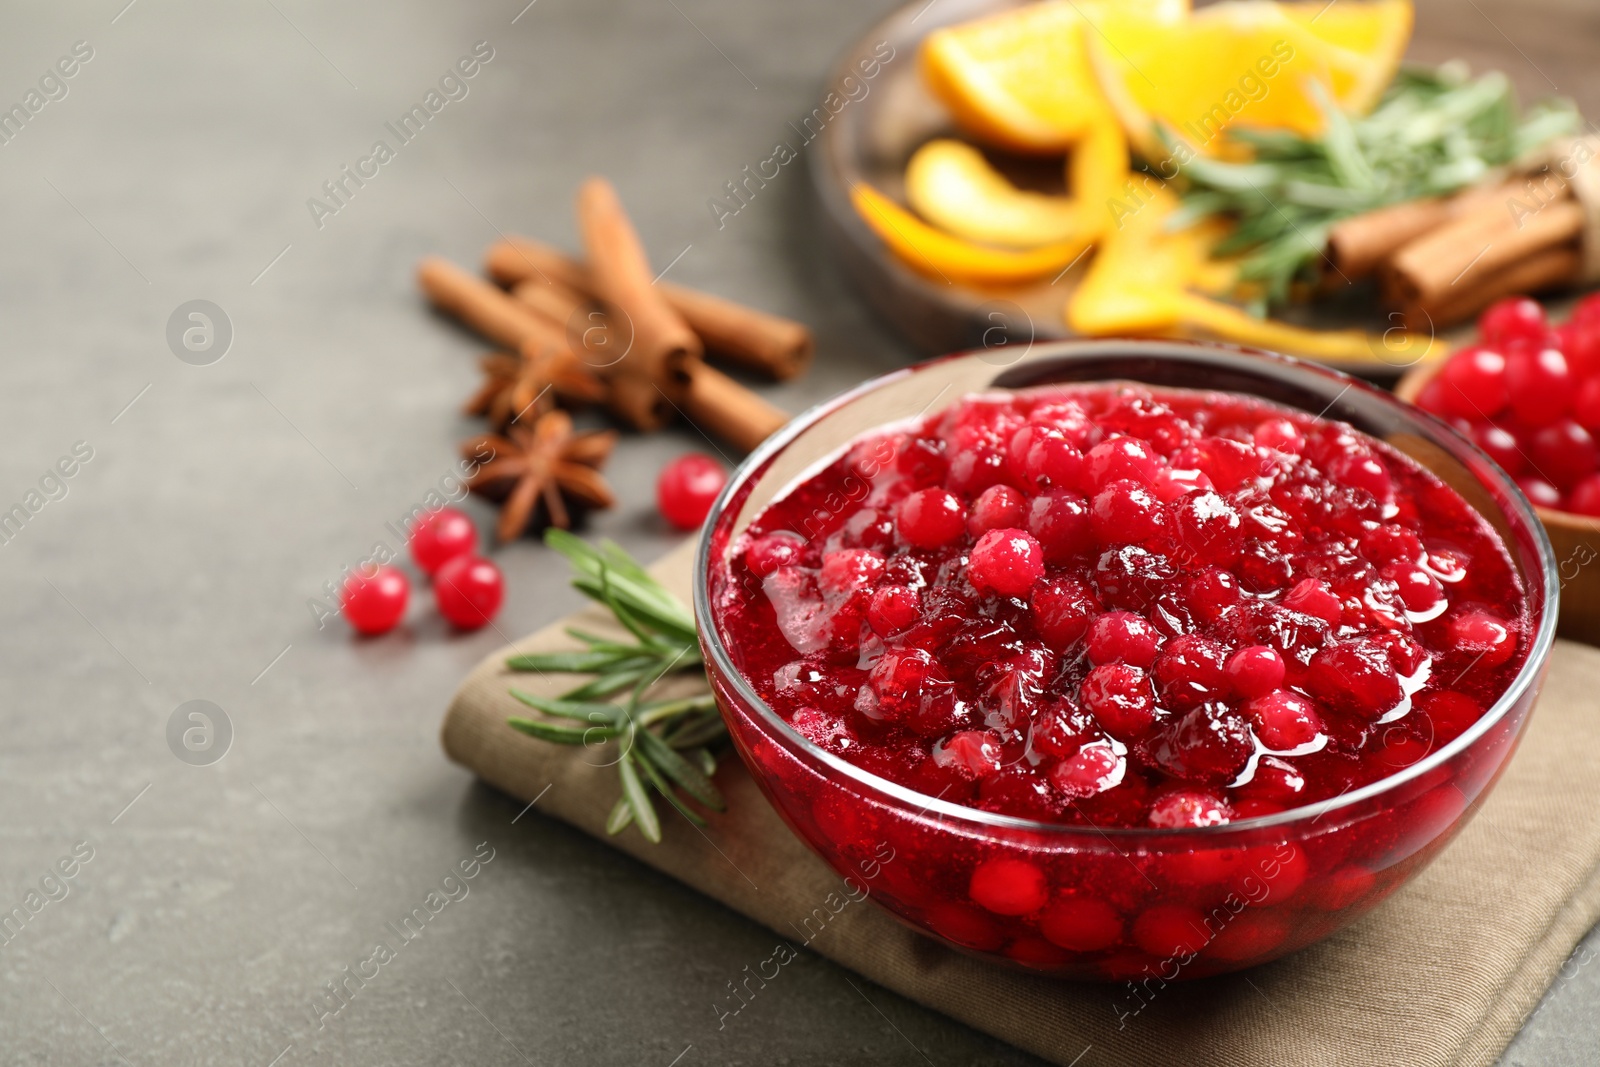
x=1442, y=973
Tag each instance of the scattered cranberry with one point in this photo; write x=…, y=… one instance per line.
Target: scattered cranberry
x=1516, y=320
x=1540, y=492
x=1585, y=496
x=440, y=536
x=687, y=487
x=468, y=591
x=1007, y=562
x=1474, y=383
x=1538, y=386
x=373, y=601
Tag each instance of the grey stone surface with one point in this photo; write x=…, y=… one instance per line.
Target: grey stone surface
x=219, y=498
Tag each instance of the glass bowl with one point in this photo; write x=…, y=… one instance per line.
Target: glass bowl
x=1125, y=903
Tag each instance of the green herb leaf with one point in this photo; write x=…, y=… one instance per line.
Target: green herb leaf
x=644, y=813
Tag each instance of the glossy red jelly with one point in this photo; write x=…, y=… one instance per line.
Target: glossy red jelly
x=1113, y=623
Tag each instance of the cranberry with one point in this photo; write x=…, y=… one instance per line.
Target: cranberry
x=1122, y=637
x=1391, y=543
x=921, y=460
x=1169, y=931
x=1563, y=452
x=1126, y=512
x=1360, y=470
x=1118, y=695
x=1186, y=808
x=1419, y=590
x=1190, y=671
x=892, y=609
x=770, y=551
x=929, y=518
x=440, y=536
x=1474, y=383
x=687, y=487
x=1284, y=720
x=1206, y=528
x=1587, y=311
x=1539, y=492
x=1313, y=597
x=1255, y=670
x=1210, y=592
x=468, y=591
x=849, y=570
x=1209, y=743
x=1009, y=887
x=373, y=600
x=996, y=508
x=1585, y=496
x=1538, y=386
x=1060, y=728
x=1131, y=577
x=1502, y=447
x=1172, y=484
x=1051, y=460
x=1280, y=435
x=1091, y=770
x=977, y=752
x=1580, y=343
x=1512, y=321
x=1081, y=923
x=1357, y=678
x=1007, y=562
x=1230, y=464
x=1117, y=459
x=1586, y=404
x=1486, y=640
x=1060, y=522
x=1062, y=608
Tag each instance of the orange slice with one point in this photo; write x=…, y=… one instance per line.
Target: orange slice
x=1021, y=79
x=1376, y=31
x=952, y=259
x=950, y=184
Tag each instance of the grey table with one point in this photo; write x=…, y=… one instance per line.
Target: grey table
x=176, y=163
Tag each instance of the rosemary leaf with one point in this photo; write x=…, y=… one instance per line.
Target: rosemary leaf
x=644, y=813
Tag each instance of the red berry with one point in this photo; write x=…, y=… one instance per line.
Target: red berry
x=1119, y=697
x=468, y=591
x=1125, y=512
x=1538, y=386
x=1586, y=405
x=1502, y=447
x=1540, y=493
x=997, y=507
x=1009, y=887
x=893, y=608
x=373, y=600
x=1419, y=591
x=1482, y=638
x=1210, y=592
x=1284, y=720
x=1186, y=808
x=1190, y=671
x=850, y=570
x=1051, y=461
x=1255, y=670
x=440, y=536
x=1205, y=528
x=1474, y=383
x=1229, y=463
x=930, y=518
x=687, y=487
x=1563, y=452
x=1169, y=931
x=1280, y=435
x=1172, y=483
x=1391, y=543
x=1007, y=562
x=1587, y=311
x=1060, y=521
x=1062, y=608
x=1311, y=596
x=770, y=551
x=1514, y=320
x=1585, y=497
x=1081, y=923
x=1091, y=770
x=1122, y=637
x=1431, y=399
x=1357, y=678
x=1116, y=459
x=1580, y=343
x=1362, y=470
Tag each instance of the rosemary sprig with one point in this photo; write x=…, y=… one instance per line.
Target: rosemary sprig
x=665, y=746
x=1434, y=132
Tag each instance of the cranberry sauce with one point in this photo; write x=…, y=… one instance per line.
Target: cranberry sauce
x=1125, y=607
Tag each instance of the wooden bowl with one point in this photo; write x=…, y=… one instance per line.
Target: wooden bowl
x=1576, y=539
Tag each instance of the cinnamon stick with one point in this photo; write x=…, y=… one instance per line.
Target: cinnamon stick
x=1472, y=249
x=1543, y=270
x=723, y=408
x=1359, y=245
x=554, y=300
x=662, y=345
x=755, y=339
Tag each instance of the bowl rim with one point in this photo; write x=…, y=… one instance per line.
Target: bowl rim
x=718, y=655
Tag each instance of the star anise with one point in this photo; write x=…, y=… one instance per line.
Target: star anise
x=516, y=386
x=545, y=461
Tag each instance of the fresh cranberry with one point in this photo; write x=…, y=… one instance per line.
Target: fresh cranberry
x=1081, y=923
x=892, y=609
x=1172, y=484
x=1312, y=596
x=1007, y=562
x=1060, y=523
x=930, y=518
x=1362, y=470
x=1187, y=807
x=1060, y=728
x=1190, y=671
x=1062, y=608
x=1481, y=637
x=1585, y=496
x=1586, y=404
x=1126, y=512
x=1255, y=670
x=1119, y=696
x=1563, y=452
x=1580, y=343
x=1474, y=383
x=1229, y=464
x=1539, y=492
x=1206, y=528
x=1512, y=321
x=1538, y=386
x=1051, y=460
x=1091, y=770
x=997, y=508
x=1357, y=678
x=687, y=487
x=1117, y=459
x=1280, y=435
x=1122, y=637
x=770, y=551
x=1009, y=887
x=1284, y=720
x=468, y=591
x=1587, y=311
x=439, y=537
x=1502, y=446
x=373, y=600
